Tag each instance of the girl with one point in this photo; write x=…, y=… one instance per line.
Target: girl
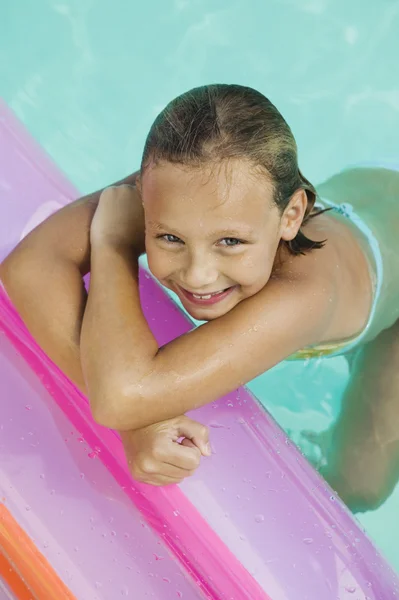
x=229, y=223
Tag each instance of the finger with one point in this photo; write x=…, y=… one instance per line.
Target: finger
x=159, y=480
x=170, y=463
x=196, y=432
x=188, y=443
x=183, y=455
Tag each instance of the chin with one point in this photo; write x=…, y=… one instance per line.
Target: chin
x=201, y=314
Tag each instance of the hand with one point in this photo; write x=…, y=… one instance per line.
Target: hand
x=156, y=457
x=119, y=218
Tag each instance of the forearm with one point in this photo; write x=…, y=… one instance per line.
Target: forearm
x=117, y=346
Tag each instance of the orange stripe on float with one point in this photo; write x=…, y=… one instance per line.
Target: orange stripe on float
x=13, y=580
x=29, y=566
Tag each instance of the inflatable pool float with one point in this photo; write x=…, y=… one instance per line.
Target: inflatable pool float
x=255, y=522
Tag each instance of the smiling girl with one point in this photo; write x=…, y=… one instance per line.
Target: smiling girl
x=230, y=224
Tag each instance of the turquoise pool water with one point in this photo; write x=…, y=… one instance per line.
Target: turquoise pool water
x=88, y=77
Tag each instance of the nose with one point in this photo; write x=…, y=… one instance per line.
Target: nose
x=199, y=273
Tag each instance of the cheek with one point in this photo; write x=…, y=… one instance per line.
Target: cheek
x=255, y=269
x=161, y=263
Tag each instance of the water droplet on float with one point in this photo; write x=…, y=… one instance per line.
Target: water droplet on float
x=92, y=455
x=125, y=591
x=350, y=589
x=28, y=407
x=179, y=594
x=308, y=541
x=27, y=508
x=259, y=518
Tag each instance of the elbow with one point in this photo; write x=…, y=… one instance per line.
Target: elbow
x=117, y=411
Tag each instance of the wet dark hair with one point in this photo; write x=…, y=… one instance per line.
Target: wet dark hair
x=213, y=123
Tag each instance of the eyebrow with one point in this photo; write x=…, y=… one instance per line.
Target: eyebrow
x=232, y=232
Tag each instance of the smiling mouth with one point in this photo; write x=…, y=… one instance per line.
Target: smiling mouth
x=207, y=296
x=206, y=299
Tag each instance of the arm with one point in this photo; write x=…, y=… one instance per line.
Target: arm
x=43, y=277
x=133, y=383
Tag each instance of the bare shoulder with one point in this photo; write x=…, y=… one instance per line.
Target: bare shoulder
x=340, y=271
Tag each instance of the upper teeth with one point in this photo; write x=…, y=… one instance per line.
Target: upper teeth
x=206, y=296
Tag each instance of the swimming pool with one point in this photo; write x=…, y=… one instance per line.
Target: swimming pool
x=87, y=78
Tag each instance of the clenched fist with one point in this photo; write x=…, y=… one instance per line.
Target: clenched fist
x=155, y=456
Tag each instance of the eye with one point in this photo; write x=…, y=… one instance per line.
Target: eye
x=230, y=242
x=168, y=237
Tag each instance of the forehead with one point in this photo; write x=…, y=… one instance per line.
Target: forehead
x=230, y=193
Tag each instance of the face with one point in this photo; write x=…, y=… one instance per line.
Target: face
x=212, y=234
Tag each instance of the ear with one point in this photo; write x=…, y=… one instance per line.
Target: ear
x=293, y=215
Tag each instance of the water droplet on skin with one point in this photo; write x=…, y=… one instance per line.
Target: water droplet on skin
x=259, y=518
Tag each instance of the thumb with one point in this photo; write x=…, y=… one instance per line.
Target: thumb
x=195, y=432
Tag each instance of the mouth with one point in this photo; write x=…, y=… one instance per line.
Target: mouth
x=206, y=299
